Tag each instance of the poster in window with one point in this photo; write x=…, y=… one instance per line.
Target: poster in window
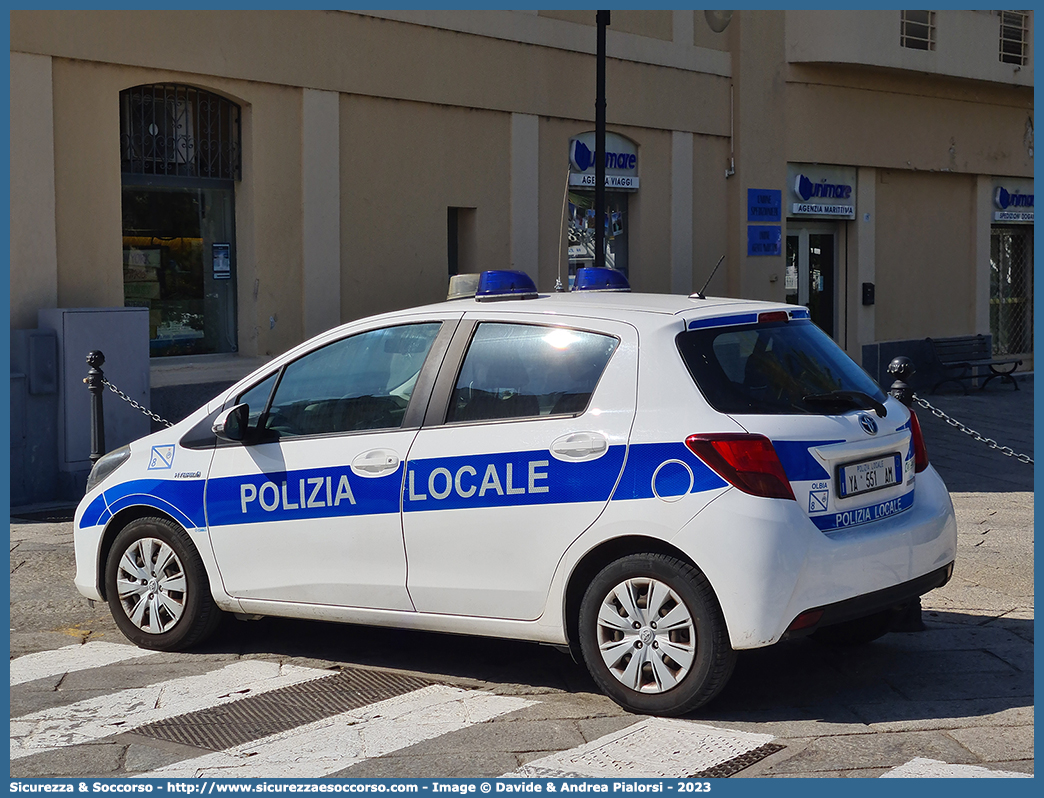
x=222, y=255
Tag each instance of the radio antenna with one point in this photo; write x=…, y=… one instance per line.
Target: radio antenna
x=700, y=293
x=559, y=286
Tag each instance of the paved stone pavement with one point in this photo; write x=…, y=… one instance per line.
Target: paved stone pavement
x=959, y=692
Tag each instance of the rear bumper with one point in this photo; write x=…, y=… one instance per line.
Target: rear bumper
x=870, y=603
x=768, y=563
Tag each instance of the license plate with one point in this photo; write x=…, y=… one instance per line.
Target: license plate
x=869, y=475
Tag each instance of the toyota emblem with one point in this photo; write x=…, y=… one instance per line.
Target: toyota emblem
x=868, y=424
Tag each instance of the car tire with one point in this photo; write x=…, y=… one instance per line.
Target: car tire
x=857, y=632
x=157, y=587
x=643, y=666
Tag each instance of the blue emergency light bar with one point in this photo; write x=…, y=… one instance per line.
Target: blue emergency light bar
x=505, y=284
x=591, y=278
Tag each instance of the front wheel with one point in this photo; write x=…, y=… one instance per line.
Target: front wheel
x=157, y=587
x=653, y=635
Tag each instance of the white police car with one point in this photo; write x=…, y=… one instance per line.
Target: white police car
x=655, y=481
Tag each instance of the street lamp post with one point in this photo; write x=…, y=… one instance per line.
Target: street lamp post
x=718, y=21
x=602, y=20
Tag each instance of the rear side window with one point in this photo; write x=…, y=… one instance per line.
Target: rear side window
x=527, y=371
x=771, y=368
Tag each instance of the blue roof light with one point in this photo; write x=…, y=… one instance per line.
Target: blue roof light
x=505, y=284
x=591, y=278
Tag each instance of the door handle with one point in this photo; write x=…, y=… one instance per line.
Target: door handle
x=580, y=446
x=375, y=463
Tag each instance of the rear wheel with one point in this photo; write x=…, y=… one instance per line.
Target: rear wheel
x=157, y=587
x=653, y=635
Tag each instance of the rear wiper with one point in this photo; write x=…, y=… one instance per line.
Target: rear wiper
x=853, y=398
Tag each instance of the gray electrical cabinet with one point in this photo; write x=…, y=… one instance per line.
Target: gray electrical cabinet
x=34, y=409
x=122, y=335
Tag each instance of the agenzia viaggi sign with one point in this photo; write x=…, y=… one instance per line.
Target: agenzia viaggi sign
x=621, y=162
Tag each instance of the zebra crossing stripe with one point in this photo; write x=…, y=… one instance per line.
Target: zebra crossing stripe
x=335, y=743
x=650, y=749
x=95, y=654
x=123, y=711
x=921, y=768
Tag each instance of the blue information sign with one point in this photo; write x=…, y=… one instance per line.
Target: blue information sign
x=764, y=239
x=764, y=204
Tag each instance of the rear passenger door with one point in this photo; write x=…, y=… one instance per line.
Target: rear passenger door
x=522, y=446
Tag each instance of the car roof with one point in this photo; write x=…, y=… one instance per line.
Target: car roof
x=608, y=305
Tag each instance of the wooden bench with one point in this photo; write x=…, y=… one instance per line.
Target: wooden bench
x=971, y=358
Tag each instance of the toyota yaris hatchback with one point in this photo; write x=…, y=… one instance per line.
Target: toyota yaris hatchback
x=653, y=481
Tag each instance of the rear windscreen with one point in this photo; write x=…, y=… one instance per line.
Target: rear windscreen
x=771, y=368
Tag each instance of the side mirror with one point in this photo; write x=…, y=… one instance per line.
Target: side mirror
x=231, y=424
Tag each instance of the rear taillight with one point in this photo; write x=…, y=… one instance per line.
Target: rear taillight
x=747, y=461
x=920, y=450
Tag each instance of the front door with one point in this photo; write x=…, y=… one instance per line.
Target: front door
x=811, y=270
x=307, y=510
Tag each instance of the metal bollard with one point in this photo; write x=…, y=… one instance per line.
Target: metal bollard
x=95, y=384
x=902, y=369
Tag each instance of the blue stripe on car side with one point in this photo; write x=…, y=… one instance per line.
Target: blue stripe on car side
x=92, y=516
x=505, y=479
x=508, y=479
x=644, y=459
x=182, y=498
x=308, y=493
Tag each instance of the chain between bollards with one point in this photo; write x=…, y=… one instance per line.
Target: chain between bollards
x=992, y=444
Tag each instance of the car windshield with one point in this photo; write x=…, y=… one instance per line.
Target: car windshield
x=775, y=368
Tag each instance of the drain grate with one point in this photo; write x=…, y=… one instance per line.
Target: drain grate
x=253, y=717
x=738, y=763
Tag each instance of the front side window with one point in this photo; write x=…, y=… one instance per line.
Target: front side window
x=775, y=368
x=363, y=382
x=528, y=371
x=256, y=399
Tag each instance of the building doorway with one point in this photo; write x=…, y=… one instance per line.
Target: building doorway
x=581, y=231
x=180, y=151
x=811, y=276
x=1011, y=289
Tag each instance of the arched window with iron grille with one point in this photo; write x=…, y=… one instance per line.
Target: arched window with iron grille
x=180, y=155
x=170, y=129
